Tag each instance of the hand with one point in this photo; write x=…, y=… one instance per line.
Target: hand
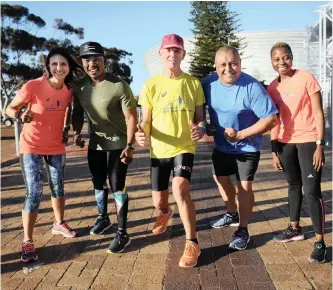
x=196, y=132
x=65, y=137
x=140, y=136
x=127, y=155
x=78, y=141
x=27, y=116
x=232, y=135
x=318, y=158
x=277, y=162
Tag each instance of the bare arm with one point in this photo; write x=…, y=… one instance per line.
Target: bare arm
x=131, y=118
x=146, y=120
x=199, y=115
x=318, y=114
x=260, y=127
x=14, y=107
x=77, y=117
x=276, y=128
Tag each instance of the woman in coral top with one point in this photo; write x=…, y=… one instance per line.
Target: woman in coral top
x=298, y=145
x=43, y=138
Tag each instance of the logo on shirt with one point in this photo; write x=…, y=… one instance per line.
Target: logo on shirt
x=56, y=105
x=178, y=105
x=164, y=94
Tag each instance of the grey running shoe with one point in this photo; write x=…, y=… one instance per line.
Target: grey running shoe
x=240, y=239
x=318, y=253
x=227, y=220
x=119, y=243
x=289, y=235
x=102, y=223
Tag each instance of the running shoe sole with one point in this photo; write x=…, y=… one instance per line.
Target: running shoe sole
x=56, y=232
x=298, y=238
x=35, y=258
x=193, y=265
x=129, y=241
x=232, y=246
x=105, y=229
x=220, y=227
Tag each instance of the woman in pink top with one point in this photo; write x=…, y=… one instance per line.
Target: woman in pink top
x=298, y=145
x=44, y=135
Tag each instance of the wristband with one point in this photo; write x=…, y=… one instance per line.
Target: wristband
x=130, y=145
x=322, y=143
x=274, y=144
x=19, y=113
x=202, y=126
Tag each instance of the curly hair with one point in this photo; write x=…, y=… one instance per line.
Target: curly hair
x=284, y=45
x=75, y=70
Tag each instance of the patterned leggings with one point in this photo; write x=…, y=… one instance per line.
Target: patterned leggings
x=32, y=170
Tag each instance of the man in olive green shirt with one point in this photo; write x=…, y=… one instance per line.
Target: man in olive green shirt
x=111, y=111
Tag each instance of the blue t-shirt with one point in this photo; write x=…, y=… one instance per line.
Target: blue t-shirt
x=238, y=106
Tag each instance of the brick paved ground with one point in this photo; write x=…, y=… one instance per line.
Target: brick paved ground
x=151, y=262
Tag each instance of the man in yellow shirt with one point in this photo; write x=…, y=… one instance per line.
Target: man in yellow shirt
x=172, y=123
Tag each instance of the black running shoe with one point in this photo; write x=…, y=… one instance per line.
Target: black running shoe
x=120, y=242
x=318, y=253
x=28, y=252
x=289, y=235
x=102, y=223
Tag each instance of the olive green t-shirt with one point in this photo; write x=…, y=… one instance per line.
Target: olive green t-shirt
x=104, y=105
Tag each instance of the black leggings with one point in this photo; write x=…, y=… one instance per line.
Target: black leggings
x=103, y=164
x=297, y=162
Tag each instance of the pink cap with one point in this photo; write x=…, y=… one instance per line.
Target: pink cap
x=172, y=40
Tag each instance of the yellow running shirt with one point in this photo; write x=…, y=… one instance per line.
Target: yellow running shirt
x=173, y=102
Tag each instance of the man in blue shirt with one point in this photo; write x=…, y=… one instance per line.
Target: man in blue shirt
x=241, y=110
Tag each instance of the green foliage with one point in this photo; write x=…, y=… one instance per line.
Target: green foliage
x=214, y=26
x=22, y=51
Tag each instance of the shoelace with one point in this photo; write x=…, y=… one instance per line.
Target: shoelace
x=241, y=233
x=118, y=237
x=190, y=250
x=287, y=231
x=65, y=225
x=28, y=247
x=160, y=220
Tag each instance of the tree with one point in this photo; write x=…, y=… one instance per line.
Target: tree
x=22, y=50
x=214, y=26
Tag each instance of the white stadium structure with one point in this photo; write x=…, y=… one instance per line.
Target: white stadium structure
x=312, y=50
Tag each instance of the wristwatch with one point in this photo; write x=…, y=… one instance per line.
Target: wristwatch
x=321, y=142
x=130, y=145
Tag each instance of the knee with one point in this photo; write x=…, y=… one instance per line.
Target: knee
x=181, y=193
x=244, y=187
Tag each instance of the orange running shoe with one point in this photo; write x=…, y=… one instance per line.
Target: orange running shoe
x=161, y=223
x=190, y=256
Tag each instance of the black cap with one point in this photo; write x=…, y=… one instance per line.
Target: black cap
x=91, y=48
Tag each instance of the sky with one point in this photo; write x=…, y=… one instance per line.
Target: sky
x=140, y=25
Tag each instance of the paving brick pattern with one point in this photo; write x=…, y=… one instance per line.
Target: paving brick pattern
x=151, y=262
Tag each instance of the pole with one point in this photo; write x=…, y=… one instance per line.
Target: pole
x=17, y=129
